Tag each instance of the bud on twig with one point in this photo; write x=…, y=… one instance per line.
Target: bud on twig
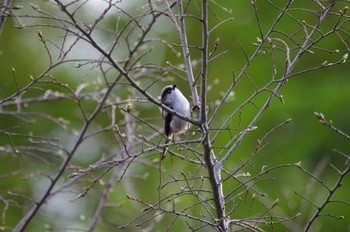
x=343, y=59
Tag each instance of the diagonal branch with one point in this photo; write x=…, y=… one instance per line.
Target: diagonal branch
x=289, y=68
x=181, y=29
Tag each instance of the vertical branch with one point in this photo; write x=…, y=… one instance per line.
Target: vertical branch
x=205, y=35
x=209, y=157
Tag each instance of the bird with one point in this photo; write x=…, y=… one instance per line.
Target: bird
x=173, y=98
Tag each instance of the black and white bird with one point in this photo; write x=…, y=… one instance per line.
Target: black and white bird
x=174, y=99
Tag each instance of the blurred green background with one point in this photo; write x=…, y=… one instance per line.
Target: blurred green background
x=304, y=139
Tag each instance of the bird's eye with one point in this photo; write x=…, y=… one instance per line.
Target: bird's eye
x=165, y=93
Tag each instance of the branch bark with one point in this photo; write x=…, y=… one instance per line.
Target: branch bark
x=214, y=169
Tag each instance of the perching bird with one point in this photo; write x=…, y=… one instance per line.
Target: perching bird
x=174, y=99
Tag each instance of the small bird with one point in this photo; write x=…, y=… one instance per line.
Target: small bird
x=174, y=99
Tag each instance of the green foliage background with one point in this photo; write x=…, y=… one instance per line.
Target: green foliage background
x=304, y=139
